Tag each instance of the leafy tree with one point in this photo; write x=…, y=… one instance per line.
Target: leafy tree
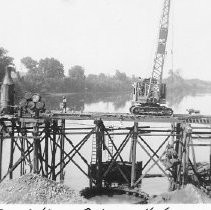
x=102, y=76
x=77, y=78
x=92, y=77
x=76, y=72
x=51, y=68
x=30, y=64
x=47, y=75
x=4, y=61
x=120, y=76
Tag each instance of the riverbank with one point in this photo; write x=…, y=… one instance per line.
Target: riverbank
x=34, y=189
x=188, y=195
x=87, y=93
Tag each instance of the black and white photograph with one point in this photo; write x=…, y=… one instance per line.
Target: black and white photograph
x=105, y=102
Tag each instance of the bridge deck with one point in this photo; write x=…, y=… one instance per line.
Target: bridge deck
x=201, y=119
x=197, y=119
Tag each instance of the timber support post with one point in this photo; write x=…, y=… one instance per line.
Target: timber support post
x=176, y=169
x=186, y=138
x=12, y=148
x=22, y=141
x=36, y=148
x=133, y=153
x=47, y=136
x=1, y=150
x=210, y=164
x=179, y=147
x=99, y=142
x=54, y=127
x=62, y=150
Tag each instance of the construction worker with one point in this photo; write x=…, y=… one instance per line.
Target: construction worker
x=64, y=104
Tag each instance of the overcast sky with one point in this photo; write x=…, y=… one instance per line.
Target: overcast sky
x=105, y=35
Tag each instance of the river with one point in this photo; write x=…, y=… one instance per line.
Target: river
x=120, y=103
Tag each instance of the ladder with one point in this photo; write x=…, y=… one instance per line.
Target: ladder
x=93, y=156
x=110, y=147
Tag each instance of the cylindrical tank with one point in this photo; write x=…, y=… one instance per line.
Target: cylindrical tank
x=7, y=92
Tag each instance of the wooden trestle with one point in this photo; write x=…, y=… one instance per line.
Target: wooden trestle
x=44, y=146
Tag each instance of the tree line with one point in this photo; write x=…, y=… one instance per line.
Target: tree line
x=47, y=76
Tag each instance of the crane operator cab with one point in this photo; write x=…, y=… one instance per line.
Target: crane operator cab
x=149, y=97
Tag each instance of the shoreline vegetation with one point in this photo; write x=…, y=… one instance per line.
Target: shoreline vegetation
x=75, y=93
x=47, y=77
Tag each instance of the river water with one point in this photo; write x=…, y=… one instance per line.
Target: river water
x=120, y=103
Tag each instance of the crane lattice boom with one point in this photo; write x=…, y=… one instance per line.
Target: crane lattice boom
x=157, y=72
x=150, y=93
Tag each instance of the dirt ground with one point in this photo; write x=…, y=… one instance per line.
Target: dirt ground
x=188, y=195
x=35, y=189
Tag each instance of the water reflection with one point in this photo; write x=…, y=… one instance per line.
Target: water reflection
x=116, y=102
x=121, y=102
x=76, y=102
x=174, y=98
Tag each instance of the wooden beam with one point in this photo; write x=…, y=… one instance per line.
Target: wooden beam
x=1, y=151
x=75, y=149
x=46, y=150
x=143, y=175
x=115, y=156
x=62, y=150
x=35, y=145
x=12, y=148
x=133, y=153
x=156, y=152
x=156, y=163
x=53, y=159
x=120, y=170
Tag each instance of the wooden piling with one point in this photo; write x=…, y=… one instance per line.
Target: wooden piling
x=62, y=150
x=180, y=146
x=184, y=149
x=99, y=141
x=54, y=151
x=185, y=157
x=172, y=136
x=11, y=150
x=22, y=142
x=193, y=154
x=176, y=169
x=210, y=164
x=47, y=135
x=1, y=155
x=36, y=148
x=133, y=153
x=22, y=165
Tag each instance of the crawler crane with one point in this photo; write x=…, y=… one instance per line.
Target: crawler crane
x=149, y=94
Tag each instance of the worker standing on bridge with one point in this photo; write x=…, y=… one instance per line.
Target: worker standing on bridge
x=64, y=104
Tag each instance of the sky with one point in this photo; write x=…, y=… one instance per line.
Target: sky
x=106, y=35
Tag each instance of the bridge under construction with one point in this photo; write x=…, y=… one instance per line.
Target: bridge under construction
x=36, y=140
x=40, y=144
